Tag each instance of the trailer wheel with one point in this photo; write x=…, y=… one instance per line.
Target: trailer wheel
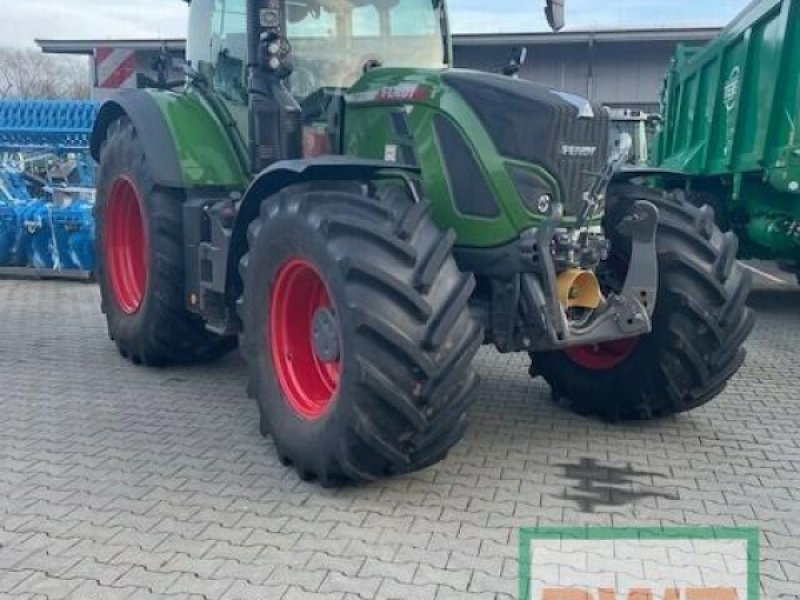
x=699, y=327
x=356, y=332
x=140, y=261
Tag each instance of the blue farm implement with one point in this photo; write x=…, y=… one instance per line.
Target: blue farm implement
x=46, y=189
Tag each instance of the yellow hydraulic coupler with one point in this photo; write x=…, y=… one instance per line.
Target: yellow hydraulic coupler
x=579, y=289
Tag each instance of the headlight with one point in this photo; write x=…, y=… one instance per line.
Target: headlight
x=276, y=54
x=536, y=193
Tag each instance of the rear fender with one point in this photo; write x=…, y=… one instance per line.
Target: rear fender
x=185, y=143
x=668, y=178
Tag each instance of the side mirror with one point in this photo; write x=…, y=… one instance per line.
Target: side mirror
x=623, y=149
x=555, y=14
x=518, y=59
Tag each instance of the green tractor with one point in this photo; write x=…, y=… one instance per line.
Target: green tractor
x=325, y=191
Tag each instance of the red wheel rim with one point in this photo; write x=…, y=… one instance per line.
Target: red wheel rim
x=603, y=357
x=126, y=245
x=308, y=382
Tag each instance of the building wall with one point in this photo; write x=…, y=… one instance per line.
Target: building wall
x=629, y=75
x=625, y=74
x=120, y=74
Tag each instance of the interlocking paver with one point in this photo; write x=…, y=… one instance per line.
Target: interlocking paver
x=11, y=557
x=142, y=594
x=347, y=565
x=90, y=589
x=298, y=593
x=103, y=573
x=435, y=558
x=392, y=590
x=299, y=576
x=154, y=581
x=363, y=586
x=456, y=579
x=122, y=482
x=189, y=583
x=53, y=588
x=400, y=572
x=228, y=551
x=251, y=572
x=52, y=565
x=11, y=579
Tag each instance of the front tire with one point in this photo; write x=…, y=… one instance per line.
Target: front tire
x=356, y=332
x=699, y=327
x=140, y=261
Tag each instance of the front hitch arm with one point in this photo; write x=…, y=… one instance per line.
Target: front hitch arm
x=623, y=315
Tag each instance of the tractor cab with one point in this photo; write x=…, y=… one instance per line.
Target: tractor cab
x=274, y=62
x=336, y=41
x=316, y=44
x=312, y=49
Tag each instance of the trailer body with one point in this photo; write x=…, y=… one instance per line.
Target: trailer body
x=731, y=111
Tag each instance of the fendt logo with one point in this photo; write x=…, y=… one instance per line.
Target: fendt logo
x=732, y=87
x=578, y=151
x=639, y=564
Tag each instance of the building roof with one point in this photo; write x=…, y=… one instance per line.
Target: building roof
x=702, y=34
x=88, y=46
x=697, y=34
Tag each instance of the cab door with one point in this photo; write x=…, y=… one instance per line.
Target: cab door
x=218, y=49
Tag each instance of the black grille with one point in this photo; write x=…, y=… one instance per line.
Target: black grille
x=533, y=123
x=574, y=172
x=471, y=192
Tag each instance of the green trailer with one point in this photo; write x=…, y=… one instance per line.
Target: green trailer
x=731, y=111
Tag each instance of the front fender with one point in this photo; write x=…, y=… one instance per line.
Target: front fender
x=283, y=174
x=629, y=172
x=185, y=143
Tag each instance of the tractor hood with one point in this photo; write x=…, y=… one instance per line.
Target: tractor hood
x=495, y=152
x=564, y=133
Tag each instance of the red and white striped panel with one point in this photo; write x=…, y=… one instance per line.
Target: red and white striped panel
x=115, y=67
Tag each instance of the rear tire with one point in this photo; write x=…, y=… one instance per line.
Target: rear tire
x=386, y=389
x=699, y=326
x=140, y=261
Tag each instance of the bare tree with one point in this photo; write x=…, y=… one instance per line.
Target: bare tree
x=76, y=81
x=31, y=74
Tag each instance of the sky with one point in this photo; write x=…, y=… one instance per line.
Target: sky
x=25, y=20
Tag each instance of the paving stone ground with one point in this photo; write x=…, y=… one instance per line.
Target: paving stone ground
x=124, y=482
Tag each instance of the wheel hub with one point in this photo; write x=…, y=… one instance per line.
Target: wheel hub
x=326, y=335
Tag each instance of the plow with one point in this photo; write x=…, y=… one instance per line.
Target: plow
x=46, y=189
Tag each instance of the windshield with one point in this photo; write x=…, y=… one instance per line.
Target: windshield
x=334, y=40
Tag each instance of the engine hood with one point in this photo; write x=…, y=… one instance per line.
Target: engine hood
x=562, y=132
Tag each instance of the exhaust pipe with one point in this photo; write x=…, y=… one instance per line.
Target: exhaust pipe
x=578, y=288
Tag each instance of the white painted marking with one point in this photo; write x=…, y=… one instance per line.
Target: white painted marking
x=765, y=275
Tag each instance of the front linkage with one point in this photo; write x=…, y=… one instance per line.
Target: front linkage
x=546, y=295
x=556, y=276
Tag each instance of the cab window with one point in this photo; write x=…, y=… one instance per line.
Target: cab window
x=334, y=40
x=229, y=49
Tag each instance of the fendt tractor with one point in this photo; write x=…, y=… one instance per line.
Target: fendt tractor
x=326, y=192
